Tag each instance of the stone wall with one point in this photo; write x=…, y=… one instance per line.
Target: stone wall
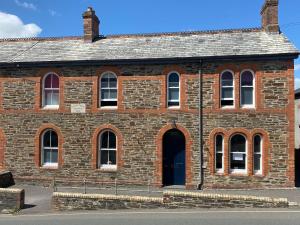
x=11, y=199
x=140, y=115
x=6, y=179
x=171, y=199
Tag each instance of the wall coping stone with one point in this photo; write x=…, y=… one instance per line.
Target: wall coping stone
x=224, y=196
x=109, y=197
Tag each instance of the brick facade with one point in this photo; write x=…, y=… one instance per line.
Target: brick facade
x=141, y=119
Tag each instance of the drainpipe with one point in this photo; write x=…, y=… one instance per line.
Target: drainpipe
x=200, y=115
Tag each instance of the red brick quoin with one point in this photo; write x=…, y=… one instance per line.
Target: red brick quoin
x=2, y=149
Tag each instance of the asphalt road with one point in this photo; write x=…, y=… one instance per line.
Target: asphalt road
x=160, y=217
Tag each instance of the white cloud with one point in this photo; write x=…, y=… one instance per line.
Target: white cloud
x=26, y=5
x=297, y=82
x=12, y=26
x=53, y=12
x=297, y=67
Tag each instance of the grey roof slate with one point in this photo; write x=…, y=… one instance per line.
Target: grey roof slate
x=152, y=46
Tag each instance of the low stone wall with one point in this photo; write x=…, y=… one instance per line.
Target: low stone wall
x=170, y=199
x=6, y=179
x=176, y=199
x=11, y=199
x=69, y=201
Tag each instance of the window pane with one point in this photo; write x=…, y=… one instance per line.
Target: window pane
x=55, y=81
x=55, y=97
x=54, y=156
x=104, y=84
x=105, y=94
x=219, y=143
x=174, y=94
x=112, y=140
x=257, y=158
x=247, y=96
x=227, y=79
x=173, y=77
x=54, y=139
x=104, y=157
x=227, y=92
x=247, y=79
x=112, y=158
x=104, y=140
x=238, y=161
x=47, y=158
x=48, y=96
x=227, y=103
x=46, y=139
x=113, y=94
x=48, y=81
x=219, y=161
x=113, y=82
x=257, y=144
x=238, y=144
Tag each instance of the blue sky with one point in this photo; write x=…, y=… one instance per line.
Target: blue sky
x=64, y=17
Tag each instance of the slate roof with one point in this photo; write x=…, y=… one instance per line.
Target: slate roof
x=243, y=42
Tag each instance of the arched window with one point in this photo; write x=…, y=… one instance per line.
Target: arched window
x=173, y=89
x=49, y=151
x=107, y=150
x=219, y=151
x=247, y=89
x=51, y=91
x=257, y=154
x=238, y=154
x=108, y=90
x=227, y=89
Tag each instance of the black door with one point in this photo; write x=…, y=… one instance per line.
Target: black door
x=173, y=158
x=297, y=167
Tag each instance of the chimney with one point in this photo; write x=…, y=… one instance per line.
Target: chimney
x=90, y=25
x=269, y=13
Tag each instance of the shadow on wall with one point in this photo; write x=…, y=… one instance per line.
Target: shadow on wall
x=297, y=167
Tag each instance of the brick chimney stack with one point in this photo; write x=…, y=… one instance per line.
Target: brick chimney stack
x=269, y=13
x=90, y=25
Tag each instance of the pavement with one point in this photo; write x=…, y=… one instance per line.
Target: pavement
x=159, y=217
x=38, y=198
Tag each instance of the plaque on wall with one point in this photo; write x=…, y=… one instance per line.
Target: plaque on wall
x=77, y=108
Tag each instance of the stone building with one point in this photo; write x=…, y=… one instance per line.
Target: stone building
x=202, y=109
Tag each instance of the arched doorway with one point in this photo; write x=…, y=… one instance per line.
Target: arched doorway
x=173, y=158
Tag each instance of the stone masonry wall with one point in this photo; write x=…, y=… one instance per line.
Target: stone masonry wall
x=141, y=114
x=11, y=199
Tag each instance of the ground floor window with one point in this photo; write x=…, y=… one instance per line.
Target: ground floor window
x=107, y=150
x=219, y=149
x=238, y=154
x=49, y=148
x=257, y=154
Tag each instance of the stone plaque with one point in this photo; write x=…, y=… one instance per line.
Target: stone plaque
x=77, y=108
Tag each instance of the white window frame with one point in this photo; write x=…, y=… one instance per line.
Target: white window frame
x=108, y=88
x=253, y=91
x=222, y=169
x=50, y=89
x=107, y=166
x=179, y=83
x=233, y=90
x=258, y=172
x=43, y=164
x=239, y=171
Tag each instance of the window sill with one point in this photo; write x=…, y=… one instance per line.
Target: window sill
x=49, y=167
x=174, y=107
x=227, y=107
x=51, y=107
x=108, y=108
x=108, y=169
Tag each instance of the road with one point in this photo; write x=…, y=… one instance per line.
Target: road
x=160, y=217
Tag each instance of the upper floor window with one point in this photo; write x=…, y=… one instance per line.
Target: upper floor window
x=257, y=154
x=219, y=151
x=107, y=150
x=49, y=151
x=247, y=89
x=108, y=90
x=227, y=89
x=238, y=154
x=51, y=91
x=173, y=90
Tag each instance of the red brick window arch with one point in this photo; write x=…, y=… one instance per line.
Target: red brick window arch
x=50, y=91
x=48, y=147
x=107, y=145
